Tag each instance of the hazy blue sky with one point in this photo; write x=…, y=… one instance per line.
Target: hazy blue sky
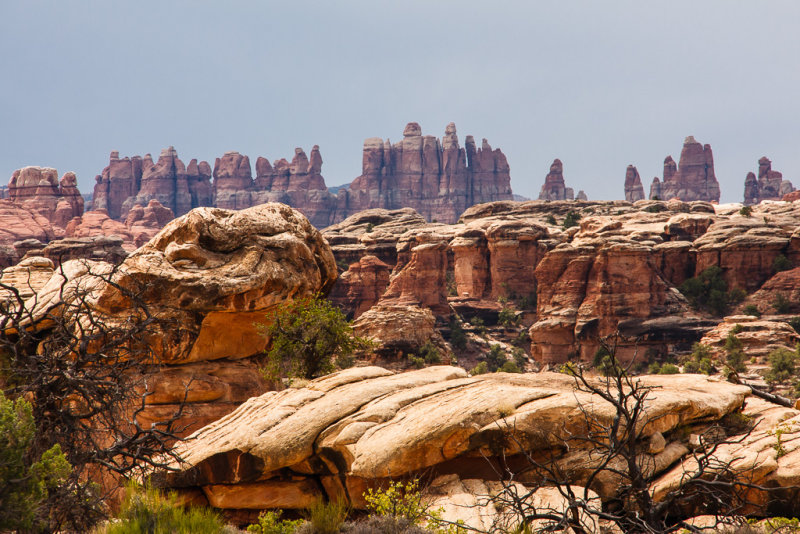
x=597, y=84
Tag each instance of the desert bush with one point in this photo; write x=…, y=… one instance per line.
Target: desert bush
x=751, y=309
x=457, y=336
x=430, y=353
x=709, y=291
x=669, y=369
x=572, y=219
x=746, y=211
x=328, y=517
x=403, y=502
x=508, y=317
x=551, y=220
x=782, y=366
x=735, y=354
x=309, y=338
x=519, y=357
x=781, y=263
x=481, y=369
x=271, y=523
x=655, y=208
x=794, y=322
x=699, y=361
x=781, y=304
x=509, y=367
x=496, y=358
x=147, y=510
x=24, y=484
x=479, y=326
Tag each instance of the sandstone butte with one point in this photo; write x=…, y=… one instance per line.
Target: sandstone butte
x=769, y=185
x=218, y=274
x=692, y=178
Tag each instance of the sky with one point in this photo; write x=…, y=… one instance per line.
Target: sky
x=599, y=85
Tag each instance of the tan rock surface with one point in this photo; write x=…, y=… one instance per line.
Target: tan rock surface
x=759, y=337
x=367, y=425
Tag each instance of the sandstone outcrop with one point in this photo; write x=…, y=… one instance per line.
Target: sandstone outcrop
x=633, y=185
x=361, y=427
x=17, y=225
x=141, y=224
x=127, y=182
x=361, y=285
x=769, y=185
x=439, y=179
x=784, y=285
x=554, y=187
x=100, y=248
x=398, y=329
x=38, y=189
x=209, y=279
x=759, y=337
x=691, y=179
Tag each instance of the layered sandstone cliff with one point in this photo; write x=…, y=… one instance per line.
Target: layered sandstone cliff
x=691, y=179
x=769, y=185
x=634, y=190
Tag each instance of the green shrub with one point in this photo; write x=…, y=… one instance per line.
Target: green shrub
x=415, y=361
x=782, y=366
x=403, y=503
x=737, y=295
x=551, y=220
x=519, y=357
x=699, y=361
x=605, y=362
x=481, y=369
x=328, y=517
x=709, y=291
x=430, y=353
x=496, y=358
x=508, y=317
x=308, y=338
x=781, y=263
x=457, y=336
x=751, y=309
x=669, y=369
x=794, y=322
x=527, y=302
x=24, y=484
x=746, y=211
x=572, y=219
x=370, y=227
x=479, y=326
x=509, y=367
x=781, y=304
x=655, y=208
x=654, y=368
x=147, y=510
x=271, y=523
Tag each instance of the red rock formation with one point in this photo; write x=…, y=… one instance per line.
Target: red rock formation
x=38, y=189
x=692, y=179
x=769, y=185
x=633, y=185
x=791, y=197
x=554, y=187
x=438, y=179
x=140, y=225
x=129, y=181
x=360, y=287
x=655, y=189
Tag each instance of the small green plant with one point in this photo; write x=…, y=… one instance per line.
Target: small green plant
x=508, y=317
x=496, y=358
x=751, y=309
x=699, y=361
x=519, y=357
x=527, y=302
x=415, y=361
x=737, y=329
x=457, y=336
x=605, y=362
x=572, y=219
x=328, y=517
x=778, y=432
x=147, y=510
x=370, y=227
x=309, y=337
x=669, y=369
x=709, y=291
x=430, y=353
x=24, y=484
x=505, y=410
x=655, y=208
x=569, y=368
x=509, y=367
x=782, y=366
x=746, y=211
x=479, y=326
x=271, y=523
x=404, y=501
x=481, y=369
x=781, y=304
x=781, y=263
x=654, y=368
x=794, y=322
x=551, y=220
x=735, y=354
